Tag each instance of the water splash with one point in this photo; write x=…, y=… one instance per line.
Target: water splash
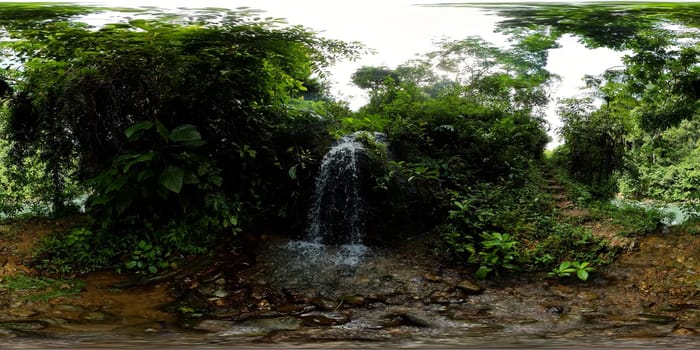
x=336, y=215
x=332, y=249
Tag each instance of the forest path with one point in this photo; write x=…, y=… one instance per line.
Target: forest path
x=568, y=211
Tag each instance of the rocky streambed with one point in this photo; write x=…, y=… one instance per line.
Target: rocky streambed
x=393, y=297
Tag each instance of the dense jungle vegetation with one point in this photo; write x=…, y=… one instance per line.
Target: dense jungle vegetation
x=182, y=132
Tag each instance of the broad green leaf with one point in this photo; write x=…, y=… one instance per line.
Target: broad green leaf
x=132, y=132
x=162, y=130
x=146, y=157
x=293, y=172
x=172, y=178
x=582, y=274
x=145, y=175
x=185, y=133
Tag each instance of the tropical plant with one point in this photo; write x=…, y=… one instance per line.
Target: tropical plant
x=567, y=268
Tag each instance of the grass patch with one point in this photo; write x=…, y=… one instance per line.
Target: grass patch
x=632, y=219
x=37, y=288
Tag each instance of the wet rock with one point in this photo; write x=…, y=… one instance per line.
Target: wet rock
x=23, y=325
x=398, y=299
x=444, y=298
x=263, y=305
x=220, y=293
x=588, y=296
x=42, y=308
x=97, y=316
x=438, y=298
x=54, y=321
x=324, y=303
x=285, y=323
x=214, y=325
x=651, y=318
x=260, y=291
x=355, y=300
x=22, y=312
x=432, y=277
x=682, y=331
x=70, y=308
x=461, y=313
x=325, y=319
x=470, y=287
x=290, y=308
x=555, y=309
x=298, y=297
x=407, y=318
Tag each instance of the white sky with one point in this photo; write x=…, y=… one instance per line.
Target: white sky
x=398, y=31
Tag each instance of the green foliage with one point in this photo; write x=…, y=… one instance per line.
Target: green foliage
x=373, y=78
x=499, y=251
x=634, y=219
x=567, y=268
x=146, y=257
x=77, y=250
x=168, y=192
x=594, y=143
x=642, y=135
x=186, y=129
x=40, y=289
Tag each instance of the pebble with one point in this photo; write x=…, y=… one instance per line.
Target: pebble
x=22, y=312
x=684, y=331
x=324, y=303
x=70, y=308
x=432, y=277
x=356, y=300
x=470, y=287
x=220, y=293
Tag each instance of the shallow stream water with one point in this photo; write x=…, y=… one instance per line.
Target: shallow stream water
x=648, y=299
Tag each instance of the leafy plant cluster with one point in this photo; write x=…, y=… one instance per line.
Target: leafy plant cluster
x=568, y=268
x=180, y=131
x=466, y=143
x=637, y=130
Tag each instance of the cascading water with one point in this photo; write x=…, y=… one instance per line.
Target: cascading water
x=336, y=213
x=332, y=247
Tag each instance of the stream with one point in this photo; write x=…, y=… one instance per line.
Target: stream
x=391, y=298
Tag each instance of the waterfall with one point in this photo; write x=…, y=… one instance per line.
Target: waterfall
x=336, y=214
x=332, y=247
